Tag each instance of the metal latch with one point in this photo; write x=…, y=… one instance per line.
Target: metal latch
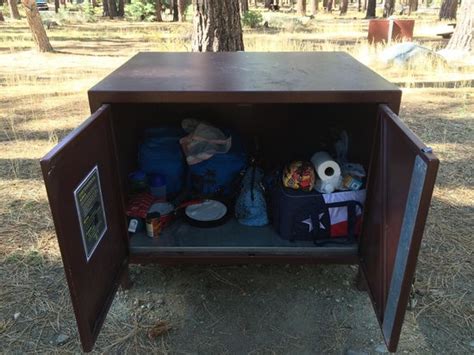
x=427, y=150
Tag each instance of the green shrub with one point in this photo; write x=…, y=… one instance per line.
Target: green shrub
x=141, y=10
x=73, y=8
x=252, y=19
x=88, y=12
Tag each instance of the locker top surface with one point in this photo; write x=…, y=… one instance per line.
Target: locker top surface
x=244, y=77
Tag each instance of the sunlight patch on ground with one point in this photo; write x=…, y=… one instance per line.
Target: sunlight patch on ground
x=459, y=196
x=30, y=149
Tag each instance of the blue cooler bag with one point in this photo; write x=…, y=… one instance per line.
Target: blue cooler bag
x=219, y=174
x=160, y=153
x=312, y=216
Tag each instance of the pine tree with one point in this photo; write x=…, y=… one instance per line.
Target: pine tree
x=217, y=26
x=36, y=26
x=464, y=31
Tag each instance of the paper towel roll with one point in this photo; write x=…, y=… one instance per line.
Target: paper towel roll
x=326, y=168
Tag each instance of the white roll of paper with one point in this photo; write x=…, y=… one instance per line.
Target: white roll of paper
x=325, y=167
x=327, y=171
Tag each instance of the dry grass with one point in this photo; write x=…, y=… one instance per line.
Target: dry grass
x=42, y=97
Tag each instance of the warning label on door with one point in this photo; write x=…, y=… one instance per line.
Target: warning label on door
x=90, y=211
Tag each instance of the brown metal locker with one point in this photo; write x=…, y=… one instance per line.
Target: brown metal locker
x=93, y=272
x=259, y=92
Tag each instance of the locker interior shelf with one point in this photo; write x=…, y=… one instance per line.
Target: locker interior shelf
x=230, y=237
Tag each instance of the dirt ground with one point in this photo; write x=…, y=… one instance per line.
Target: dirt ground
x=216, y=309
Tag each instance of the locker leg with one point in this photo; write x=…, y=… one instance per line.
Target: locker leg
x=360, y=282
x=126, y=282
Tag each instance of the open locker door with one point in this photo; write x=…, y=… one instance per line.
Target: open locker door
x=401, y=180
x=82, y=183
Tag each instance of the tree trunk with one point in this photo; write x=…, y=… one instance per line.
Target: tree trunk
x=174, y=10
x=330, y=5
x=371, y=4
x=464, y=31
x=36, y=26
x=56, y=6
x=412, y=6
x=217, y=26
x=112, y=6
x=14, y=14
x=244, y=6
x=314, y=7
x=105, y=8
x=181, y=10
x=388, y=8
x=301, y=7
x=121, y=8
x=2, y=19
x=158, y=11
x=344, y=5
x=448, y=10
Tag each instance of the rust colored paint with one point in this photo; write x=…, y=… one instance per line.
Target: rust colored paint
x=391, y=177
x=278, y=86
x=92, y=283
x=379, y=30
x=244, y=77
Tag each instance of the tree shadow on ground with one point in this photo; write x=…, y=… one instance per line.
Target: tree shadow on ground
x=20, y=169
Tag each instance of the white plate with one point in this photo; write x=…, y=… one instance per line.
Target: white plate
x=163, y=208
x=207, y=211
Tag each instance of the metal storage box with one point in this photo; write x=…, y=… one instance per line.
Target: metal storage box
x=275, y=96
x=387, y=30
